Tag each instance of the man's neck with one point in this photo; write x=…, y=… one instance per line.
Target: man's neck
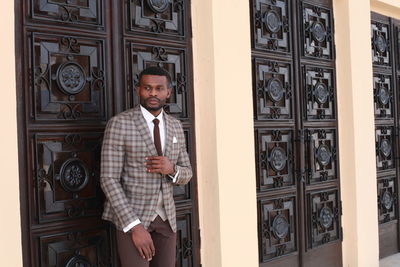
x=155, y=113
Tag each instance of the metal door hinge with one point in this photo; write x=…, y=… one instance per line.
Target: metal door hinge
x=303, y=175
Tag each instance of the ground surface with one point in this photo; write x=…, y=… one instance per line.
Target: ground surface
x=391, y=261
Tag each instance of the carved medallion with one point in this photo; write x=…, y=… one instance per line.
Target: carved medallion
x=73, y=175
x=383, y=95
x=275, y=89
x=158, y=6
x=385, y=147
x=278, y=158
x=318, y=31
x=324, y=155
x=321, y=93
x=380, y=44
x=387, y=200
x=272, y=21
x=78, y=261
x=280, y=226
x=326, y=217
x=71, y=78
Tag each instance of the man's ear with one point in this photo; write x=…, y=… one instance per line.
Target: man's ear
x=169, y=92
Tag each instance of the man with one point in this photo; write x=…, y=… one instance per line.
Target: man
x=143, y=156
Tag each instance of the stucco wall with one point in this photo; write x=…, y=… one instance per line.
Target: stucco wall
x=356, y=133
x=389, y=8
x=224, y=131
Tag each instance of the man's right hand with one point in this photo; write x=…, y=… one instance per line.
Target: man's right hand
x=142, y=240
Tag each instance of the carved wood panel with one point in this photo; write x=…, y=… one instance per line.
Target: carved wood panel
x=67, y=175
x=384, y=145
x=184, y=242
x=68, y=78
x=323, y=217
x=317, y=31
x=71, y=12
x=278, y=228
x=274, y=92
x=387, y=199
x=79, y=61
x=161, y=17
x=319, y=93
x=384, y=45
x=321, y=155
x=76, y=247
x=296, y=137
x=381, y=44
x=383, y=96
x=272, y=25
x=275, y=156
x=174, y=61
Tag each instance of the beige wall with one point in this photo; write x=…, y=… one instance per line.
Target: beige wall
x=356, y=133
x=224, y=133
x=389, y=8
x=10, y=231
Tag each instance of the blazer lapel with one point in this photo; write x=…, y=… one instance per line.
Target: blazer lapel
x=143, y=129
x=168, y=135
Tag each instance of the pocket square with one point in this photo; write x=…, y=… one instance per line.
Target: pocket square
x=174, y=140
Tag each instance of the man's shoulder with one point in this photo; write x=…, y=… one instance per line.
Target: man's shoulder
x=124, y=115
x=173, y=120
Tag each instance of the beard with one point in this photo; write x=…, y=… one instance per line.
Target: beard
x=144, y=103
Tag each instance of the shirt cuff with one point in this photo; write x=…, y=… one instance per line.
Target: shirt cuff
x=131, y=225
x=174, y=178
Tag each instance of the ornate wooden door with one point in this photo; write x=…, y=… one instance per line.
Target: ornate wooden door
x=77, y=66
x=295, y=118
x=386, y=77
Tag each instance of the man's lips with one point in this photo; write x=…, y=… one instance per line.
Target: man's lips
x=153, y=101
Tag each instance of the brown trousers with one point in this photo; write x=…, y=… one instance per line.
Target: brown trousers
x=164, y=240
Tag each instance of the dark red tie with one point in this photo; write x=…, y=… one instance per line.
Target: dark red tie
x=157, y=139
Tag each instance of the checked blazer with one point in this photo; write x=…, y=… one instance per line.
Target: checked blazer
x=131, y=192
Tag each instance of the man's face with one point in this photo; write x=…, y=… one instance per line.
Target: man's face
x=153, y=92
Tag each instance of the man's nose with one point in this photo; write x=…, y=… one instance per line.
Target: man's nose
x=153, y=92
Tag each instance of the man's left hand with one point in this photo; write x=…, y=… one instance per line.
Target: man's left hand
x=159, y=164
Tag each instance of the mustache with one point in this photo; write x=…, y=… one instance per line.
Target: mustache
x=153, y=98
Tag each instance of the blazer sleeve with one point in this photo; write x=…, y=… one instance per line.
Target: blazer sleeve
x=112, y=161
x=183, y=163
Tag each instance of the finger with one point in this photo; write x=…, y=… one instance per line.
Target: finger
x=154, y=157
x=154, y=170
x=155, y=166
x=141, y=253
x=148, y=253
x=153, y=249
x=153, y=161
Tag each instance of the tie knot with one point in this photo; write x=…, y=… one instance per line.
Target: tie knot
x=156, y=121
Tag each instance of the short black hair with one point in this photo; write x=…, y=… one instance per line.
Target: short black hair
x=156, y=71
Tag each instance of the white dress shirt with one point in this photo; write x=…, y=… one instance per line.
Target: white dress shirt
x=149, y=120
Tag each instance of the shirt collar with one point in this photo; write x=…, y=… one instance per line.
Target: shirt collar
x=150, y=117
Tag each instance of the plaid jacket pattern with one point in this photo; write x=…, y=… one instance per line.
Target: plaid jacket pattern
x=131, y=192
